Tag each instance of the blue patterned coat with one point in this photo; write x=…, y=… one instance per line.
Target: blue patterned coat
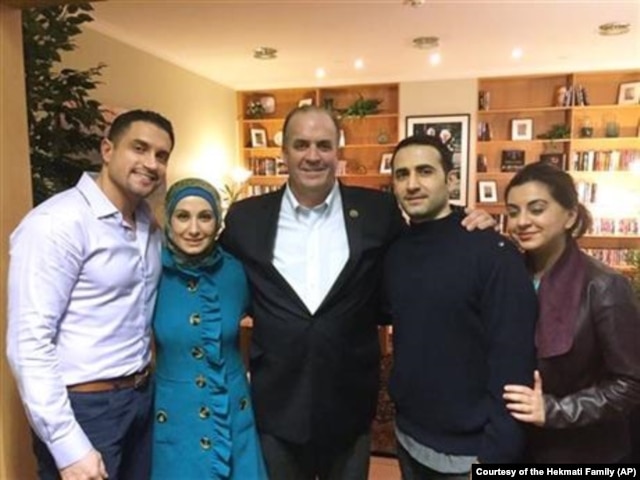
x=204, y=425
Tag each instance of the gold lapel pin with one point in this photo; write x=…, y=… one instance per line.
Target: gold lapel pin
x=353, y=213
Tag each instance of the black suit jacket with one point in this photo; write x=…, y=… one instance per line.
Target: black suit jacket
x=314, y=378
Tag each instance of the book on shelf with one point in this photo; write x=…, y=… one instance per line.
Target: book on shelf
x=254, y=190
x=511, y=160
x=587, y=191
x=556, y=159
x=623, y=226
x=604, y=160
x=575, y=95
x=617, y=257
x=268, y=166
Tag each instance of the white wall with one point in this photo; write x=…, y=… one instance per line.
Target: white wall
x=203, y=113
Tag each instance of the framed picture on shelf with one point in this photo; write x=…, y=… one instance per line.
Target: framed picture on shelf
x=522, y=129
x=453, y=131
x=512, y=160
x=385, y=162
x=258, y=138
x=629, y=93
x=487, y=191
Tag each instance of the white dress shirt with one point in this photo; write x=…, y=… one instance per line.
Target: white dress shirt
x=82, y=288
x=311, y=246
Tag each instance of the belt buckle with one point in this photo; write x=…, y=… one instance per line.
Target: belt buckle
x=140, y=379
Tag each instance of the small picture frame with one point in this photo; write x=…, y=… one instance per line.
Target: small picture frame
x=258, y=138
x=305, y=102
x=629, y=93
x=522, y=129
x=487, y=191
x=385, y=162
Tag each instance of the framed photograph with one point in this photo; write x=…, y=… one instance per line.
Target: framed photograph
x=512, y=160
x=258, y=137
x=385, y=162
x=453, y=131
x=522, y=129
x=629, y=93
x=305, y=102
x=487, y=191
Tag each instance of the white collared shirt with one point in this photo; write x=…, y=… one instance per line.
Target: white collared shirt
x=311, y=246
x=82, y=288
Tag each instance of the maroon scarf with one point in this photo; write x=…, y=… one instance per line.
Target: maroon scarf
x=559, y=297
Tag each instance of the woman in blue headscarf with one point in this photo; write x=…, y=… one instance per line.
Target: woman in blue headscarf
x=204, y=424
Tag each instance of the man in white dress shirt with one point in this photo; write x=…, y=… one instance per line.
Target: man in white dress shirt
x=84, y=267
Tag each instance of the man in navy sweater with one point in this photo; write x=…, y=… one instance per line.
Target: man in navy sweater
x=464, y=311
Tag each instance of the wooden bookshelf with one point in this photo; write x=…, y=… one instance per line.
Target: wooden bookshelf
x=366, y=138
x=607, y=168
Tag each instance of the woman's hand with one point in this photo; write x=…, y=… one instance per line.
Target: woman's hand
x=478, y=219
x=524, y=403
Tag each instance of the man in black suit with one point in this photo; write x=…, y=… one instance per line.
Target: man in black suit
x=313, y=253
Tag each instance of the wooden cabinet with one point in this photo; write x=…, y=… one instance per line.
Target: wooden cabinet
x=366, y=138
x=601, y=149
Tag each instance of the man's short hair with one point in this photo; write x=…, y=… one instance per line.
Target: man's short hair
x=123, y=121
x=306, y=109
x=446, y=155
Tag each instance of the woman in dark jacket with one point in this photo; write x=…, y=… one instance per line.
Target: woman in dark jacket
x=588, y=332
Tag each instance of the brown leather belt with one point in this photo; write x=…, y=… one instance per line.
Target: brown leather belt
x=135, y=380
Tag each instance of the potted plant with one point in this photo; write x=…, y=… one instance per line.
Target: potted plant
x=361, y=107
x=557, y=131
x=65, y=123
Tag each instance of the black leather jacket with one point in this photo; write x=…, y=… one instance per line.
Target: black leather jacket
x=590, y=390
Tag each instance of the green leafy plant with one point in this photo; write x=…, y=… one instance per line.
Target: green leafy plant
x=255, y=109
x=65, y=123
x=361, y=107
x=556, y=132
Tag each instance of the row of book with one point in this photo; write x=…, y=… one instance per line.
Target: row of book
x=268, y=166
x=604, y=160
x=574, y=95
x=587, y=191
x=581, y=161
x=603, y=226
x=617, y=257
x=628, y=226
x=253, y=190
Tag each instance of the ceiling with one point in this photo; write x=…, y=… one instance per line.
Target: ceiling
x=216, y=38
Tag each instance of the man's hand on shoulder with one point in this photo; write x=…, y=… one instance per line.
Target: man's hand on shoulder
x=89, y=467
x=477, y=219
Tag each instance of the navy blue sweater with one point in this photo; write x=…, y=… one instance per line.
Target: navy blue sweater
x=464, y=312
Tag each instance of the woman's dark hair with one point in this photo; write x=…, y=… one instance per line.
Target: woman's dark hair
x=561, y=188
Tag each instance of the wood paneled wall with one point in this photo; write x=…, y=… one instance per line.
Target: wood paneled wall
x=16, y=460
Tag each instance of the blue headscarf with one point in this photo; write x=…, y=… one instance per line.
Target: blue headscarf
x=192, y=187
